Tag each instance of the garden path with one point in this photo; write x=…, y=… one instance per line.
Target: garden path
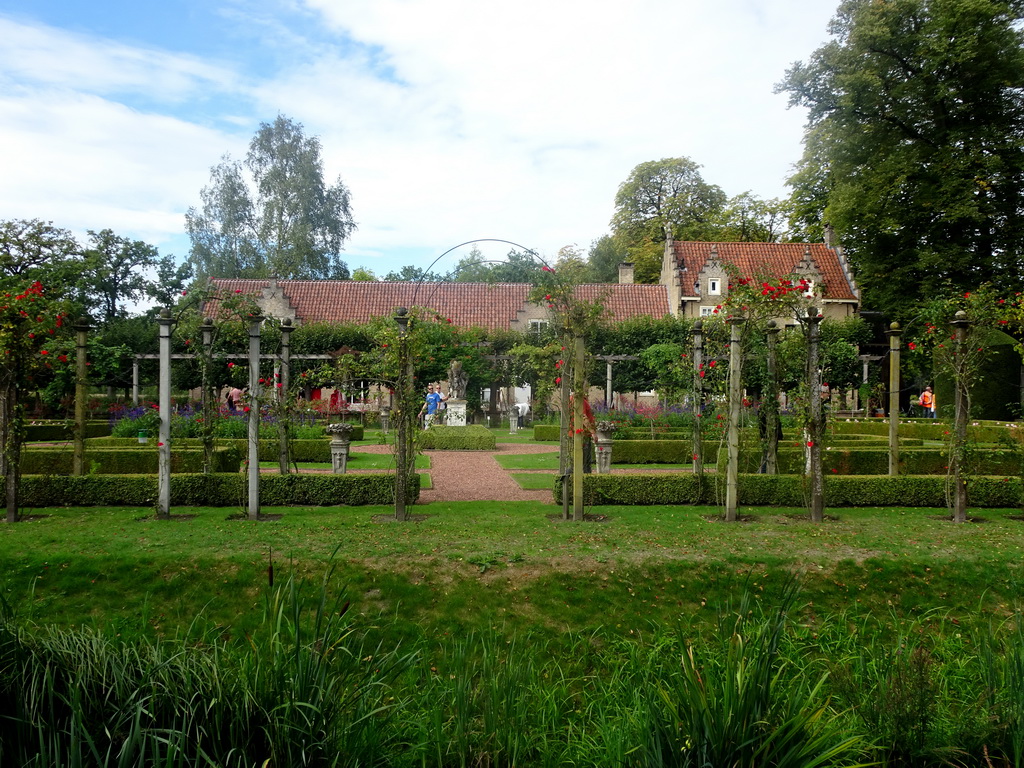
x=475, y=475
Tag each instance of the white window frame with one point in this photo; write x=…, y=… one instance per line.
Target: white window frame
x=714, y=286
x=539, y=326
x=707, y=311
x=809, y=293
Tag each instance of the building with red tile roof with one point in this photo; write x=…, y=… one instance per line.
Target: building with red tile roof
x=499, y=306
x=697, y=274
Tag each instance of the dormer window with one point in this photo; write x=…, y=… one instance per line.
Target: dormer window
x=714, y=286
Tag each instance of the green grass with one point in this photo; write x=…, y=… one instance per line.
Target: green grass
x=639, y=566
x=534, y=481
x=357, y=460
x=528, y=460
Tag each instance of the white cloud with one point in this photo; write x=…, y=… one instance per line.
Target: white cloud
x=447, y=119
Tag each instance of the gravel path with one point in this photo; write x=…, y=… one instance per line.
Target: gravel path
x=477, y=476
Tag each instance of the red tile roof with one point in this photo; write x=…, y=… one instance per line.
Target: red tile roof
x=489, y=306
x=776, y=260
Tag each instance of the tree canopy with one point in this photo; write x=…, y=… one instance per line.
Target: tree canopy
x=282, y=220
x=913, y=148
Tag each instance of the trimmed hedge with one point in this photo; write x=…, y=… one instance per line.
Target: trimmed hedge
x=875, y=461
x=926, y=429
x=214, y=490
x=317, y=450
x=792, y=490
x=124, y=461
x=62, y=430
x=470, y=438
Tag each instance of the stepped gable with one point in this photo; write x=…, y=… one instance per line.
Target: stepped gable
x=777, y=260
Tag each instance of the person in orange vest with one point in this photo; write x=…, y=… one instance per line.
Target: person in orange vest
x=927, y=401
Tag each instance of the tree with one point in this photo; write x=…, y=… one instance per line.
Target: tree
x=287, y=223
x=408, y=274
x=914, y=149
x=31, y=249
x=604, y=258
x=747, y=218
x=113, y=275
x=518, y=267
x=364, y=275
x=662, y=198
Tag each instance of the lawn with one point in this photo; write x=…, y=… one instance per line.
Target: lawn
x=473, y=565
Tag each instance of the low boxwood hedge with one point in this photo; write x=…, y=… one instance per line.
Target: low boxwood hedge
x=124, y=461
x=470, y=438
x=317, y=450
x=792, y=490
x=213, y=490
x=875, y=461
x=62, y=430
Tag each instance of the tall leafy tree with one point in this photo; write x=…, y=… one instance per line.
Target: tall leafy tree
x=31, y=249
x=517, y=267
x=114, y=274
x=282, y=220
x=662, y=198
x=914, y=149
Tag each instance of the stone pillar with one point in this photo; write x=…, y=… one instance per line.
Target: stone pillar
x=697, y=406
x=735, y=402
x=135, y=382
x=254, y=417
x=771, y=402
x=207, y=329
x=163, y=492
x=340, y=444
x=960, y=325
x=604, y=447
x=385, y=419
x=894, y=334
x=283, y=383
x=513, y=419
x=815, y=430
x=81, y=376
x=456, y=413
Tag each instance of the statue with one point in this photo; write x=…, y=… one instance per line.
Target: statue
x=457, y=381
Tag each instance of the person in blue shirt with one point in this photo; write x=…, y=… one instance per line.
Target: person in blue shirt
x=432, y=404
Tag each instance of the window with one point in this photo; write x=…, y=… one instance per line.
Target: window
x=537, y=327
x=715, y=286
x=809, y=293
x=707, y=311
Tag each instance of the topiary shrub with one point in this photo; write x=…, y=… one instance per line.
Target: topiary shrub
x=213, y=490
x=471, y=438
x=124, y=461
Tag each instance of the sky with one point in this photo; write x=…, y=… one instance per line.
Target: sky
x=449, y=120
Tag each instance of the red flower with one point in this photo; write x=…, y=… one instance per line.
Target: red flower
x=231, y=365
x=810, y=443
x=184, y=293
x=43, y=352
x=160, y=444
x=912, y=346
x=246, y=409
x=558, y=380
x=238, y=290
x=835, y=471
x=546, y=268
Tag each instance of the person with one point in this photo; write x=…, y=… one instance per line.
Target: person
x=523, y=409
x=431, y=405
x=234, y=398
x=927, y=401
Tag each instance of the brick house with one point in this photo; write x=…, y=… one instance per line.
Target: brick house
x=697, y=274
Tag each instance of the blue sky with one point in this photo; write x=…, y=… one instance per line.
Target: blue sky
x=449, y=120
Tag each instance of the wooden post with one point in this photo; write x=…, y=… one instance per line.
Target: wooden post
x=207, y=329
x=580, y=422
x=402, y=410
x=697, y=406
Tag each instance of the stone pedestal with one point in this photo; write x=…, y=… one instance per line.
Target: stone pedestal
x=385, y=421
x=513, y=420
x=456, y=410
x=340, y=443
x=604, y=454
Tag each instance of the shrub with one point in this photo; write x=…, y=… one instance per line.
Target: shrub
x=471, y=438
x=125, y=461
x=213, y=490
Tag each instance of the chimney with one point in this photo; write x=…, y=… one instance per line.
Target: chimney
x=626, y=273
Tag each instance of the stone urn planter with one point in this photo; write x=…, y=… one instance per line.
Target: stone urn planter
x=605, y=430
x=340, y=442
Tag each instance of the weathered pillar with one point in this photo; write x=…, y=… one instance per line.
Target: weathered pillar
x=135, y=382
x=771, y=402
x=735, y=402
x=283, y=420
x=960, y=324
x=894, y=333
x=81, y=376
x=604, y=447
x=340, y=443
x=207, y=329
x=402, y=436
x=697, y=405
x=253, y=403
x=581, y=424
x=816, y=427
x=163, y=493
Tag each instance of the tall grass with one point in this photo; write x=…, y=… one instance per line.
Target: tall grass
x=309, y=688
